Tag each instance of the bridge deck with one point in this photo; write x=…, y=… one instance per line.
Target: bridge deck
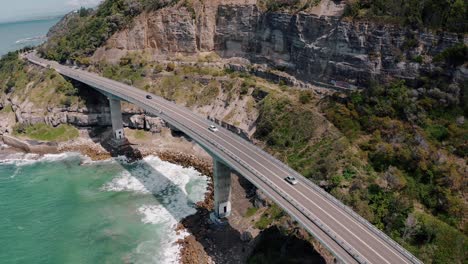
x=348, y=236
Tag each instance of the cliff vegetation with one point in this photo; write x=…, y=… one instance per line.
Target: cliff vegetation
x=287, y=5
x=44, y=132
x=435, y=14
x=415, y=145
x=395, y=152
x=42, y=87
x=86, y=30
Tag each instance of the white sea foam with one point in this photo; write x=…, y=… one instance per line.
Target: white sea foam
x=19, y=158
x=22, y=159
x=174, y=200
x=31, y=39
x=168, y=251
x=176, y=190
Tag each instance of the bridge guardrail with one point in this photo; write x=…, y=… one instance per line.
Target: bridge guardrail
x=287, y=197
x=321, y=225
x=340, y=204
x=267, y=181
x=292, y=201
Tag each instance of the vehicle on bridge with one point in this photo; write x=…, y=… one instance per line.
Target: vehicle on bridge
x=351, y=238
x=292, y=180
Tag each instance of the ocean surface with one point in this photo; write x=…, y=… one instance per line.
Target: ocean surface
x=67, y=209
x=16, y=35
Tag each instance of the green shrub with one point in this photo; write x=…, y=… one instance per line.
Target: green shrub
x=445, y=244
x=455, y=56
x=87, y=30
x=251, y=211
x=283, y=124
x=287, y=5
x=305, y=97
x=44, y=132
x=272, y=214
x=437, y=132
x=410, y=43
x=418, y=59
x=7, y=109
x=449, y=15
x=170, y=67
x=263, y=223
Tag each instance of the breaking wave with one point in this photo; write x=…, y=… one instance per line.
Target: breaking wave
x=173, y=192
x=176, y=191
x=21, y=159
x=31, y=39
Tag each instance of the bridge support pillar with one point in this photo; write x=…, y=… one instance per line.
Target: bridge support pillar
x=116, y=118
x=222, y=189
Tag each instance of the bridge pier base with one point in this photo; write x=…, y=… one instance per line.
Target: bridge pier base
x=222, y=189
x=118, y=134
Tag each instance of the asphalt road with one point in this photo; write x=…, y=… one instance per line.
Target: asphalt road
x=349, y=237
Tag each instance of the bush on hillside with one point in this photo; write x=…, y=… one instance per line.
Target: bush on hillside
x=446, y=14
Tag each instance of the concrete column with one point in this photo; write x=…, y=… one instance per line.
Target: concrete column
x=116, y=118
x=222, y=189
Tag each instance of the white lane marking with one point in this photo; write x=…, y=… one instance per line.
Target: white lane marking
x=246, y=155
x=301, y=215
x=282, y=169
x=339, y=210
x=134, y=93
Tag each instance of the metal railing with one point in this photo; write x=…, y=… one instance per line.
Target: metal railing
x=192, y=133
x=267, y=181
x=338, y=203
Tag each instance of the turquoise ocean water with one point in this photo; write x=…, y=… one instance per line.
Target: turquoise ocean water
x=16, y=35
x=67, y=209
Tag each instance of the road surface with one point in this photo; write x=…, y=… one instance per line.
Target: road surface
x=348, y=236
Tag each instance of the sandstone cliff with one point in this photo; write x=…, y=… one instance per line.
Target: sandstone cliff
x=315, y=46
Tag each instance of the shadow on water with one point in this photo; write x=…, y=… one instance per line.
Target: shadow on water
x=222, y=243
x=216, y=241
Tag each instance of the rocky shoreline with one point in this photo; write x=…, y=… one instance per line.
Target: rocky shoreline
x=190, y=249
x=206, y=243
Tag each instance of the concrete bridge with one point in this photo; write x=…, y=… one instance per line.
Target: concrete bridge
x=347, y=235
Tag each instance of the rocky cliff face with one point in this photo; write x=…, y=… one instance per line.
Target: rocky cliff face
x=311, y=46
x=96, y=113
x=327, y=48
x=185, y=29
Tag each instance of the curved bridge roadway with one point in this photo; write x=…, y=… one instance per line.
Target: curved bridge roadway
x=348, y=236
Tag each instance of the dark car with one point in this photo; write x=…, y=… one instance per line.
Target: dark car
x=149, y=97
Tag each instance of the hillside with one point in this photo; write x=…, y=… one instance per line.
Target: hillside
x=368, y=99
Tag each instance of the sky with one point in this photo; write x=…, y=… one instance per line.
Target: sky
x=17, y=10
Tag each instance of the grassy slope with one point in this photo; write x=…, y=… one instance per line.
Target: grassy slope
x=381, y=164
x=44, y=132
x=39, y=86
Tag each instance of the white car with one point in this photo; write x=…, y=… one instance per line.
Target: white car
x=213, y=128
x=291, y=180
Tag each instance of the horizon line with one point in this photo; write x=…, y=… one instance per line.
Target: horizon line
x=36, y=18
